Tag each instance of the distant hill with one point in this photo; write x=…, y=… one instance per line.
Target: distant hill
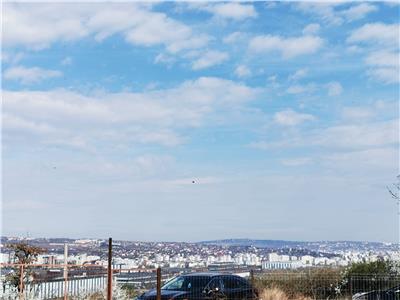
x=255, y=243
x=330, y=246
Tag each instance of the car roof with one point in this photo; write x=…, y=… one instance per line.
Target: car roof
x=208, y=274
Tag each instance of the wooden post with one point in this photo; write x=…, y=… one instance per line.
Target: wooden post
x=158, y=283
x=21, y=282
x=109, y=283
x=252, y=283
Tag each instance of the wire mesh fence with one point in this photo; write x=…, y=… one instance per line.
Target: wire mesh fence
x=35, y=281
x=328, y=284
x=90, y=282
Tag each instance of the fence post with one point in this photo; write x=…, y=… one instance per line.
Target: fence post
x=109, y=283
x=65, y=271
x=21, y=282
x=351, y=285
x=252, y=283
x=158, y=283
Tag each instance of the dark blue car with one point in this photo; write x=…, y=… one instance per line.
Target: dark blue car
x=204, y=286
x=390, y=294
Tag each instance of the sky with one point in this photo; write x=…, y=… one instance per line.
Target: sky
x=193, y=121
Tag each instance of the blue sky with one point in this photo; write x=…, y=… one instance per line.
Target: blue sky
x=284, y=114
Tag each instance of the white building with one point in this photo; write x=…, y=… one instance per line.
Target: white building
x=281, y=265
x=5, y=258
x=307, y=260
x=273, y=257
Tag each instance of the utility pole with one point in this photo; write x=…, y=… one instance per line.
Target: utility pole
x=109, y=283
x=65, y=271
x=158, y=296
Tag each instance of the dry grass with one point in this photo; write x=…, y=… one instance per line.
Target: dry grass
x=273, y=294
x=277, y=294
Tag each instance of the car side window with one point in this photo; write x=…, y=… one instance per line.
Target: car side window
x=243, y=283
x=231, y=282
x=214, y=284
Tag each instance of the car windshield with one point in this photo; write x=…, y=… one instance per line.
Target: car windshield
x=186, y=283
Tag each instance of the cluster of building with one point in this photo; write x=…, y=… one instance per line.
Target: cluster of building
x=274, y=261
x=147, y=255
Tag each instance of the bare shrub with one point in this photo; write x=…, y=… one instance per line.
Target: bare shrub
x=316, y=284
x=275, y=293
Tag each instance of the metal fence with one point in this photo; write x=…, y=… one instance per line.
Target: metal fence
x=83, y=282
x=36, y=281
x=55, y=288
x=328, y=284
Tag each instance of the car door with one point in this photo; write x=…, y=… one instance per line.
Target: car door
x=215, y=290
x=235, y=288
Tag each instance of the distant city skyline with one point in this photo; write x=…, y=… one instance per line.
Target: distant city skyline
x=200, y=121
x=218, y=241
x=227, y=253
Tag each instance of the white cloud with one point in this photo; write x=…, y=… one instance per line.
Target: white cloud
x=333, y=13
x=37, y=26
x=67, y=61
x=242, y=71
x=233, y=37
x=161, y=137
x=385, y=75
x=360, y=135
x=299, y=74
x=383, y=34
x=359, y=11
x=11, y=57
x=155, y=116
x=372, y=111
x=384, y=61
x=228, y=10
x=311, y=29
x=236, y=11
x=29, y=75
x=334, y=88
x=272, y=82
x=14, y=123
x=348, y=136
x=385, y=66
x=287, y=47
x=210, y=58
x=383, y=58
x=291, y=118
x=165, y=59
x=325, y=11
x=354, y=49
x=357, y=113
x=295, y=162
x=158, y=29
x=299, y=89
x=372, y=160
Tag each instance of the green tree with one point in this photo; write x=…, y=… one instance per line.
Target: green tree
x=379, y=267
x=368, y=276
